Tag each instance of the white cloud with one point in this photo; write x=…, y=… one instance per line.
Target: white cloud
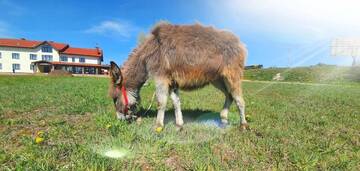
x=112, y=28
x=300, y=19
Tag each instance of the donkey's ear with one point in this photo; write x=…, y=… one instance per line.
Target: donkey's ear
x=116, y=75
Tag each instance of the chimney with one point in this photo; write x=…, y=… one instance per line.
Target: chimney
x=98, y=50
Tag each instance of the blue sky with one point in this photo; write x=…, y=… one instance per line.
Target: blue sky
x=276, y=32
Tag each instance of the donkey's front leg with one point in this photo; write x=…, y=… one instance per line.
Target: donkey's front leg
x=162, y=92
x=174, y=94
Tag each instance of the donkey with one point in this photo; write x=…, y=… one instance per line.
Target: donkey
x=185, y=57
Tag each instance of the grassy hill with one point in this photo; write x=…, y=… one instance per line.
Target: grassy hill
x=318, y=73
x=293, y=127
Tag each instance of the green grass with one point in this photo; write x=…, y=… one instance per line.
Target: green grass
x=318, y=74
x=293, y=127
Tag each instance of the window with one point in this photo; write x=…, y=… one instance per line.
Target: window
x=69, y=68
x=86, y=70
x=90, y=70
x=46, y=48
x=16, y=66
x=73, y=59
x=64, y=58
x=47, y=57
x=0, y=66
x=0, y=55
x=15, y=55
x=33, y=56
x=78, y=70
x=31, y=67
x=81, y=59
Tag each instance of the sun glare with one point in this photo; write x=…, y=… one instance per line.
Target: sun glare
x=115, y=153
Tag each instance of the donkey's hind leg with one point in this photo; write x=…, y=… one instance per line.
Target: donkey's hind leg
x=233, y=84
x=174, y=94
x=219, y=84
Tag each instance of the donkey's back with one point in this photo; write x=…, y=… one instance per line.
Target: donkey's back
x=194, y=55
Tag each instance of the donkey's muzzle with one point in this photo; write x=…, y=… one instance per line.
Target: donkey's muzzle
x=124, y=117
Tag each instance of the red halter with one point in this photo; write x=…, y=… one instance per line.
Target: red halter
x=126, y=100
x=123, y=90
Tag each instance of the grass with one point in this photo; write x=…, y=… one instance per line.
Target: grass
x=293, y=127
x=314, y=74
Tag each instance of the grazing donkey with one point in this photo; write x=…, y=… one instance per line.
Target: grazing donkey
x=184, y=57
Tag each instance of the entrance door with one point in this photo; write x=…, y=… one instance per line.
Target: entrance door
x=46, y=68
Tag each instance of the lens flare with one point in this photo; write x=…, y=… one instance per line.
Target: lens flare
x=304, y=56
x=116, y=153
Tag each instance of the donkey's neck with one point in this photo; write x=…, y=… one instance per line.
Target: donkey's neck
x=135, y=75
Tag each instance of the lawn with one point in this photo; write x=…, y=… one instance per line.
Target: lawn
x=293, y=127
x=318, y=73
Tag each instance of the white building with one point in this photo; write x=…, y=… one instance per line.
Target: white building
x=26, y=56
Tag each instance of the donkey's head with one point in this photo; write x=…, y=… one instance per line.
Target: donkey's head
x=124, y=101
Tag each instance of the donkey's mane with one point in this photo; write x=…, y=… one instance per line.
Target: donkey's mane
x=134, y=69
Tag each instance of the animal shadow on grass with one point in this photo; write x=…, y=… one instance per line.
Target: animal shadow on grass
x=206, y=117
x=189, y=115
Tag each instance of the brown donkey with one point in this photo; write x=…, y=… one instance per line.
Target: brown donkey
x=184, y=57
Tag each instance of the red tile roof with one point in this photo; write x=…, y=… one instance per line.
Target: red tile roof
x=82, y=51
x=58, y=46
x=61, y=47
x=21, y=43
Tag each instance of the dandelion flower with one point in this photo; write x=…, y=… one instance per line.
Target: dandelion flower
x=158, y=129
x=39, y=140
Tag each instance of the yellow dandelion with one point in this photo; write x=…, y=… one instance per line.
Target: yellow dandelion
x=108, y=126
x=158, y=129
x=39, y=140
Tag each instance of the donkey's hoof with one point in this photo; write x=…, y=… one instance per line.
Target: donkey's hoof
x=244, y=127
x=223, y=125
x=138, y=120
x=224, y=121
x=179, y=128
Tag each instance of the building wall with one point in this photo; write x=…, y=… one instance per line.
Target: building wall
x=24, y=60
x=88, y=59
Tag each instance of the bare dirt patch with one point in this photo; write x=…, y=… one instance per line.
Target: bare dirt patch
x=174, y=162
